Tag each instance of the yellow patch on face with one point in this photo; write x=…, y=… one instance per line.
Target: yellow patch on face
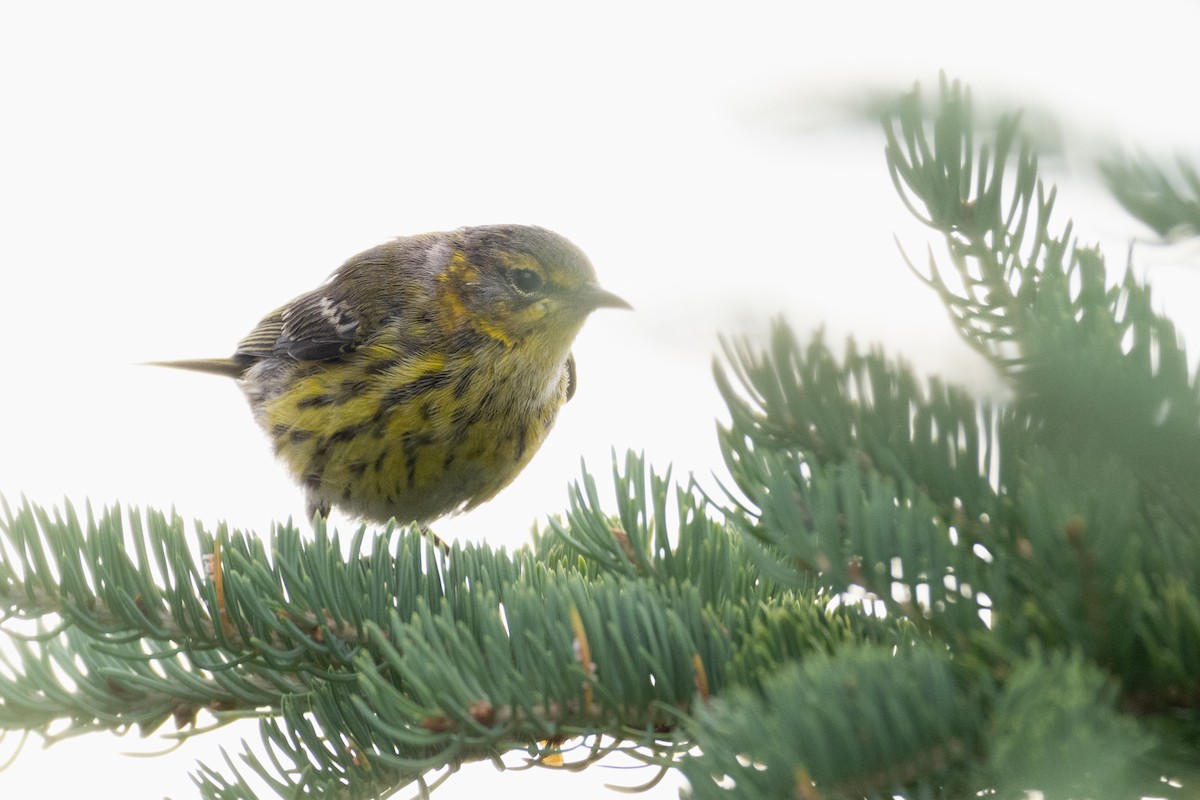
x=495, y=332
x=521, y=261
x=460, y=272
x=526, y=319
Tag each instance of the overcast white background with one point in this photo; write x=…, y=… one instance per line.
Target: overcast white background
x=171, y=172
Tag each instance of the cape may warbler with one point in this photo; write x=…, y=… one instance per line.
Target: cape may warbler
x=420, y=378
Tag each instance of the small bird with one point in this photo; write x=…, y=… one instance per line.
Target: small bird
x=422, y=376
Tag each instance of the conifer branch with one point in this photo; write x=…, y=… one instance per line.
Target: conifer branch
x=1166, y=198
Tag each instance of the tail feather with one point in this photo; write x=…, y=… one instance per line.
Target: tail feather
x=214, y=366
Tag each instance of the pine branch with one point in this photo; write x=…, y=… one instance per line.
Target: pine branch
x=374, y=662
x=1065, y=519
x=828, y=742
x=1036, y=302
x=1165, y=198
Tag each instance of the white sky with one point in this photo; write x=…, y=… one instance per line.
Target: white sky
x=170, y=173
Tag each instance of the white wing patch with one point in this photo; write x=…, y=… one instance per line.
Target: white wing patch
x=342, y=322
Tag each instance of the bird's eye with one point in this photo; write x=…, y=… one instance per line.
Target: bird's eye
x=525, y=281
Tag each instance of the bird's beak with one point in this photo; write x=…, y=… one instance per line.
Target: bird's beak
x=593, y=296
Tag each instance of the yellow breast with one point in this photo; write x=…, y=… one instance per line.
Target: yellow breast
x=414, y=437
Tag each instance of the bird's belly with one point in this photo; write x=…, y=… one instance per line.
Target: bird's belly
x=421, y=477
x=414, y=456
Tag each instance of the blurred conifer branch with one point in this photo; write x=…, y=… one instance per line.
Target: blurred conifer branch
x=1166, y=198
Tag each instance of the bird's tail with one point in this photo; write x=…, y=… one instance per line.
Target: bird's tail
x=228, y=367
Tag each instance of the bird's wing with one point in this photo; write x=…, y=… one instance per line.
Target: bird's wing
x=572, y=376
x=313, y=327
